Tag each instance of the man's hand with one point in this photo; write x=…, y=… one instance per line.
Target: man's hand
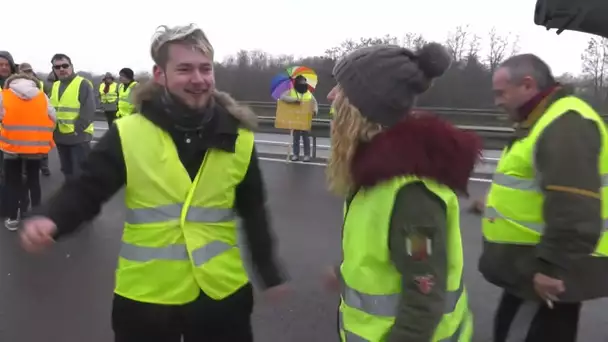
x=277, y=293
x=37, y=234
x=331, y=282
x=477, y=206
x=548, y=288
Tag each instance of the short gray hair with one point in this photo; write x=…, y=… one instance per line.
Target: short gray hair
x=188, y=34
x=529, y=65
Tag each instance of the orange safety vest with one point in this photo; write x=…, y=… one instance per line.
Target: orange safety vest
x=26, y=126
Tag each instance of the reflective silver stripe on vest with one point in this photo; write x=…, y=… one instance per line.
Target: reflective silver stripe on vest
x=66, y=121
x=204, y=254
x=27, y=128
x=67, y=109
x=172, y=212
x=143, y=254
x=350, y=336
x=25, y=142
x=516, y=183
x=386, y=305
x=527, y=184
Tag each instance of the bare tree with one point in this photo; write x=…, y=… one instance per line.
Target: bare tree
x=515, y=47
x=474, y=46
x=497, y=49
x=413, y=41
x=457, y=41
x=350, y=45
x=595, y=59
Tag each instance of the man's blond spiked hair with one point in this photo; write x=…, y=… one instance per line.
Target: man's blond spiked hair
x=188, y=35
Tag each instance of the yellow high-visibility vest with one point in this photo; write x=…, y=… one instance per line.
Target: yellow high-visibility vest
x=180, y=236
x=514, y=205
x=111, y=96
x=68, y=106
x=372, y=284
x=125, y=107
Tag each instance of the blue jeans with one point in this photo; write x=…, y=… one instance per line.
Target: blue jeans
x=305, y=135
x=71, y=158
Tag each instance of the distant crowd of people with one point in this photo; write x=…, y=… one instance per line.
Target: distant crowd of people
x=61, y=117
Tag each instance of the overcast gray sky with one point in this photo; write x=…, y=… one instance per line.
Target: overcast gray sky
x=112, y=34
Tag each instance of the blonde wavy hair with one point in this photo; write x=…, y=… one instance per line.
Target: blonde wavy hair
x=188, y=34
x=348, y=130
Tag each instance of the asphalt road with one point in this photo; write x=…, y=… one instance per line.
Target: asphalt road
x=65, y=294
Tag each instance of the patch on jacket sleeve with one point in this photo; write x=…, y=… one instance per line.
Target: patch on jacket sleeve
x=418, y=246
x=425, y=283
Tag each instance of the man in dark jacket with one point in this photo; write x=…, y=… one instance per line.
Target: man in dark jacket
x=190, y=122
x=545, y=212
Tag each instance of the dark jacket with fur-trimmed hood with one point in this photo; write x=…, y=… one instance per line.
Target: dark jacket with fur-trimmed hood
x=427, y=147
x=104, y=173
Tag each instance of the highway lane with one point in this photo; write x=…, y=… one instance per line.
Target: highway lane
x=65, y=294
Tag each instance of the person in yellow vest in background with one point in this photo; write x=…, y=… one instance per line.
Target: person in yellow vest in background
x=196, y=233
x=299, y=93
x=28, y=121
x=108, y=96
x=401, y=277
x=74, y=100
x=27, y=69
x=126, y=105
x=544, y=223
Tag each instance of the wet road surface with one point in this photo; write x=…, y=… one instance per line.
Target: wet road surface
x=65, y=294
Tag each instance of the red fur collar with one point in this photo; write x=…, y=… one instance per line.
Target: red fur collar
x=424, y=146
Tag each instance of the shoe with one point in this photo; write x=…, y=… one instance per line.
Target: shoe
x=11, y=225
x=306, y=158
x=294, y=158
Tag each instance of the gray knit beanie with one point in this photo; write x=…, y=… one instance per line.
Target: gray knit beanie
x=383, y=81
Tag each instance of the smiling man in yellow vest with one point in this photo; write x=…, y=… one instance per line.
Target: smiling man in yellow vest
x=126, y=105
x=544, y=223
x=196, y=233
x=74, y=101
x=108, y=97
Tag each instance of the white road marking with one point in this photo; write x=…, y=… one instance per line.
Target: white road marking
x=284, y=161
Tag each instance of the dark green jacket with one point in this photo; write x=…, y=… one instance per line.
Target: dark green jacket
x=422, y=147
x=567, y=158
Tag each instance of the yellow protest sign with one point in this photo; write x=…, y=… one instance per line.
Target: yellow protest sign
x=294, y=116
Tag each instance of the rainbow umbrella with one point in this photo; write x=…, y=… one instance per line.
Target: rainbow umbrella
x=283, y=82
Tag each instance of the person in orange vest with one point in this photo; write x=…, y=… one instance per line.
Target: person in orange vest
x=28, y=121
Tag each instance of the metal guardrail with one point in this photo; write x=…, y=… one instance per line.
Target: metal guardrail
x=490, y=124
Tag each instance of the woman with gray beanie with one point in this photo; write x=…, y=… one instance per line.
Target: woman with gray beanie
x=401, y=277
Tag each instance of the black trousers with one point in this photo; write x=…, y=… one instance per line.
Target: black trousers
x=44, y=163
x=519, y=320
x=71, y=158
x=17, y=191
x=204, y=320
x=110, y=116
